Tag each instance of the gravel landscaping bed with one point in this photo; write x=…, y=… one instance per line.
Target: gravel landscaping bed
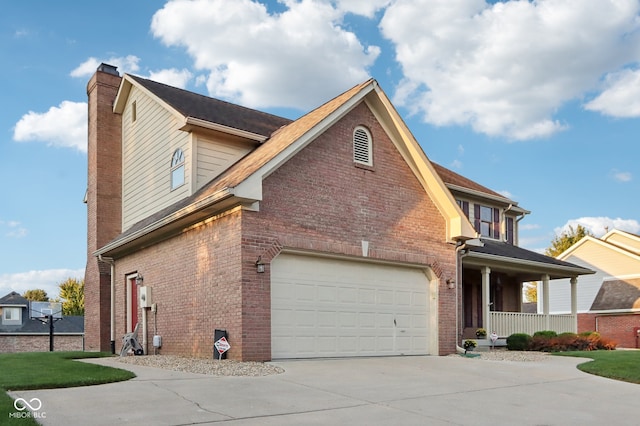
x=506, y=355
x=236, y=368
x=212, y=367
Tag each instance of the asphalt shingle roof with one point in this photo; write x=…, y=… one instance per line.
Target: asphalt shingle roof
x=14, y=299
x=213, y=110
x=617, y=294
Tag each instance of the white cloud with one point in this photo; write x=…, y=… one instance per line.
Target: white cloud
x=456, y=164
x=621, y=97
x=600, y=225
x=621, y=176
x=505, y=194
x=297, y=58
x=63, y=126
x=125, y=64
x=506, y=68
x=13, y=229
x=47, y=280
x=172, y=77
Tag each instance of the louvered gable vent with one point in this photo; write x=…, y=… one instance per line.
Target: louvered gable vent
x=362, y=146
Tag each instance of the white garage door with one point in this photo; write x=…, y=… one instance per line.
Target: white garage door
x=325, y=307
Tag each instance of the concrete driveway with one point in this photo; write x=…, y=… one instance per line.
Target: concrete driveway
x=370, y=391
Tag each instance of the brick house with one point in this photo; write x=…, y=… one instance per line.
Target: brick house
x=609, y=300
x=329, y=235
x=20, y=333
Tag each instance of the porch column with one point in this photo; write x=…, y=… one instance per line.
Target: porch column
x=574, y=301
x=545, y=300
x=486, y=316
x=574, y=295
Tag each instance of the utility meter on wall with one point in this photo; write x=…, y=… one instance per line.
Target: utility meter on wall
x=145, y=297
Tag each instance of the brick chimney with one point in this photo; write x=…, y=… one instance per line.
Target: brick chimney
x=104, y=202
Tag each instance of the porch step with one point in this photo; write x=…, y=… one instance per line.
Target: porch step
x=484, y=345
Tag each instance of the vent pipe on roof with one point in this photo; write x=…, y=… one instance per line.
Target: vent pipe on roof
x=109, y=69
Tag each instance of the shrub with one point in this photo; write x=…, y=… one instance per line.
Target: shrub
x=518, y=342
x=545, y=333
x=469, y=344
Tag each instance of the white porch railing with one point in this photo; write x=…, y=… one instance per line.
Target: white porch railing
x=508, y=323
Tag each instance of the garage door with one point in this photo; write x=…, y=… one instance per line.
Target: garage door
x=324, y=307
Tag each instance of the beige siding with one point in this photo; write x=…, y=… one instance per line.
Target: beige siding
x=148, y=144
x=625, y=242
x=216, y=155
x=607, y=262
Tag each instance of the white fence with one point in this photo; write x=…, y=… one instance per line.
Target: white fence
x=507, y=323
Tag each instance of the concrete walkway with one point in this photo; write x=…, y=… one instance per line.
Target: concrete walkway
x=370, y=391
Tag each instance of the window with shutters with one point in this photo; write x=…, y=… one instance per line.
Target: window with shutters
x=487, y=221
x=362, y=146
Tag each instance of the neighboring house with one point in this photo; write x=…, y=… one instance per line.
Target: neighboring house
x=20, y=333
x=329, y=235
x=609, y=300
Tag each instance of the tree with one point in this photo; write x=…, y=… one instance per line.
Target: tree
x=531, y=292
x=72, y=295
x=37, y=295
x=568, y=238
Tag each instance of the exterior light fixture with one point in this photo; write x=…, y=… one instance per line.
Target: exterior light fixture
x=451, y=284
x=260, y=265
x=139, y=279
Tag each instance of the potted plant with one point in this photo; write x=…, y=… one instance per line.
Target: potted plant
x=469, y=345
x=481, y=333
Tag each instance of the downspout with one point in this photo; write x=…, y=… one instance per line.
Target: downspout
x=516, y=232
x=112, y=327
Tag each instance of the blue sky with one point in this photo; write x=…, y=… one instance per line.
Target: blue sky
x=539, y=101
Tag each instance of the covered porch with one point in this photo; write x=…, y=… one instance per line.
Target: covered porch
x=493, y=276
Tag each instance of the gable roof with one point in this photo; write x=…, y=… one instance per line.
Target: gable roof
x=198, y=109
x=624, y=240
x=588, y=240
x=242, y=182
x=13, y=299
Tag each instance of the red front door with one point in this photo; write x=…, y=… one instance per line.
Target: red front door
x=132, y=315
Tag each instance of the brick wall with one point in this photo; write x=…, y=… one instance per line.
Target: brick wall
x=103, y=203
x=196, y=283
x=40, y=343
x=205, y=278
x=621, y=328
x=320, y=201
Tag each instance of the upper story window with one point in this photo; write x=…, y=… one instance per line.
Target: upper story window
x=487, y=221
x=177, y=169
x=362, y=146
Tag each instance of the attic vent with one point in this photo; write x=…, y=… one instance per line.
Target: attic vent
x=362, y=146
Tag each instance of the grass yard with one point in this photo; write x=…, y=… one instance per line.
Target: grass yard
x=619, y=364
x=49, y=370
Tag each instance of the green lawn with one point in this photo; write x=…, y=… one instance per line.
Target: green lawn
x=49, y=370
x=619, y=365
